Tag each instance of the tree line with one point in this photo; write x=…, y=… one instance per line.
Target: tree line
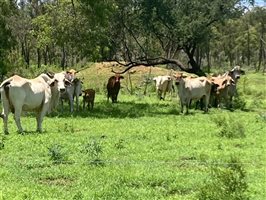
x=194, y=36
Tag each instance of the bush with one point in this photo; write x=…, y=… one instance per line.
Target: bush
x=2, y=145
x=229, y=127
x=227, y=182
x=56, y=154
x=94, y=150
x=239, y=103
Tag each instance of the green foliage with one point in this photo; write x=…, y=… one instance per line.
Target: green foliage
x=94, y=150
x=229, y=127
x=239, y=102
x=148, y=151
x=228, y=182
x=56, y=153
x=2, y=144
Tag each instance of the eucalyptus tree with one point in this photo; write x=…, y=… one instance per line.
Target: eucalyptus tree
x=6, y=39
x=154, y=32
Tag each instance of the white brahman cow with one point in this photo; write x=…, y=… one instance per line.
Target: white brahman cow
x=163, y=84
x=193, y=89
x=40, y=95
x=73, y=91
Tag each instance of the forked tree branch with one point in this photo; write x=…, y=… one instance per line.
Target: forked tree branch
x=151, y=62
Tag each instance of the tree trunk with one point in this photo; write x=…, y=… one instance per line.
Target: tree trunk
x=63, y=58
x=45, y=55
x=39, y=57
x=248, y=47
x=195, y=68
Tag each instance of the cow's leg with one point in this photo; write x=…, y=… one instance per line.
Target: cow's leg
x=77, y=102
x=71, y=103
x=187, y=105
x=230, y=103
x=17, y=115
x=92, y=104
x=206, y=102
x=83, y=104
x=181, y=105
x=164, y=94
x=4, y=115
x=40, y=116
x=62, y=104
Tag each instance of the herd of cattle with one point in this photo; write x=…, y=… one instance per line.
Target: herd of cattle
x=213, y=91
x=43, y=93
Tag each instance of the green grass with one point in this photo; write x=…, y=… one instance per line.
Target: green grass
x=146, y=150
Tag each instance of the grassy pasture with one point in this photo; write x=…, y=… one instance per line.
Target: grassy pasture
x=140, y=148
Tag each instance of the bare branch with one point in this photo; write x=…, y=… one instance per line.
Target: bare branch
x=151, y=62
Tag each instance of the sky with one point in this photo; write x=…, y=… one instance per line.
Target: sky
x=260, y=3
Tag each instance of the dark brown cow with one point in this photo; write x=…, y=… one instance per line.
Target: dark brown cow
x=88, y=97
x=113, y=87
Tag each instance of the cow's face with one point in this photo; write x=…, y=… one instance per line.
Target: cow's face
x=118, y=77
x=178, y=78
x=61, y=82
x=236, y=72
x=156, y=81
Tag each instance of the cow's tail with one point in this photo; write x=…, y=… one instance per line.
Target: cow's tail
x=5, y=88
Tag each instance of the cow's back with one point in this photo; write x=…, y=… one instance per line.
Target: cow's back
x=195, y=88
x=31, y=94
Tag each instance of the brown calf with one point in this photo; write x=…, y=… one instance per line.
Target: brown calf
x=88, y=97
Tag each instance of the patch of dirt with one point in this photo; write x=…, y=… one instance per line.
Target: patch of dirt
x=106, y=68
x=56, y=181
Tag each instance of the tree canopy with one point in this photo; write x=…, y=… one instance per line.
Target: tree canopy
x=187, y=34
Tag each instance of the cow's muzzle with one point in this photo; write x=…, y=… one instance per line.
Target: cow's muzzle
x=62, y=90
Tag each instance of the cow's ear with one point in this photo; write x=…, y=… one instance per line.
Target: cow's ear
x=121, y=77
x=52, y=84
x=50, y=74
x=242, y=72
x=67, y=82
x=224, y=82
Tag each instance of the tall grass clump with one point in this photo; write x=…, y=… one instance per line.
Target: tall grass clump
x=56, y=153
x=2, y=144
x=229, y=127
x=226, y=182
x=239, y=102
x=94, y=151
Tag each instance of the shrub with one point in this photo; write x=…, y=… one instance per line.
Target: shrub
x=226, y=182
x=94, y=150
x=239, y=103
x=2, y=145
x=229, y=127
x=56, y=154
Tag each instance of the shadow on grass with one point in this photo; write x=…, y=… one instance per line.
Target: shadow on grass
x=121, y=110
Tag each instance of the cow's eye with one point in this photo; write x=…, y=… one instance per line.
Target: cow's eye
x=67, y=83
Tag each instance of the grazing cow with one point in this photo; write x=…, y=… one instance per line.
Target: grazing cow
x=163, y=84
x=113, y=87
x=88, y=97
x=221, y=90
x=193, y=89
x=40, y=94
x=73, y=91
